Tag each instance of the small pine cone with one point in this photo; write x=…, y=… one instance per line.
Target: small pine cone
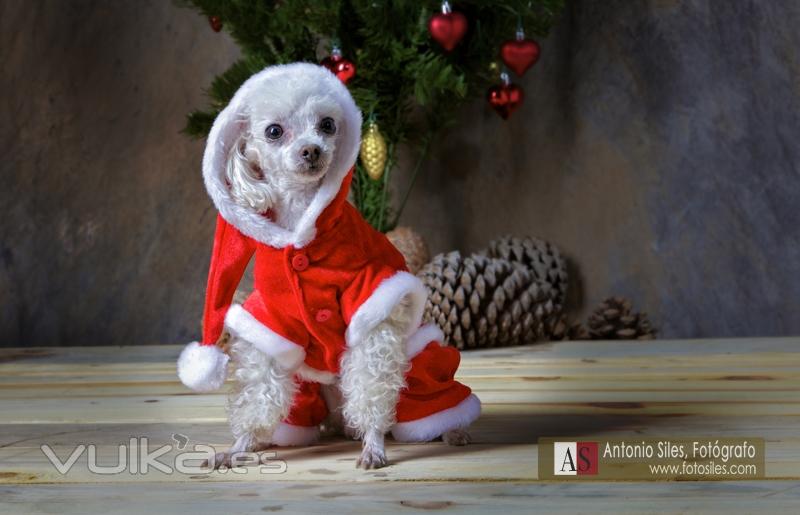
x=614, y=319
x=482, y=302
x=540, y=256
x=412, y=246
x=560, y=328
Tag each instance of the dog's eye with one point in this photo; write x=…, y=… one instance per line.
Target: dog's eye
x=274, y=131
x=328, y=126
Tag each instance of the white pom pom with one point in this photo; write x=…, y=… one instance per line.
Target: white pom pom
x=202, y=367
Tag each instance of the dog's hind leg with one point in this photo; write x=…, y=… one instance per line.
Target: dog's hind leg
x=334, y=424
x=372, y=375
x=262, y=396
x=456, y=437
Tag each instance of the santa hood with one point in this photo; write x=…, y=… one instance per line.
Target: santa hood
x=231, y=123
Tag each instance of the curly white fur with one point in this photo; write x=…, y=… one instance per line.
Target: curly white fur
x=372, y=374
x=246, y=177
x=262, y=393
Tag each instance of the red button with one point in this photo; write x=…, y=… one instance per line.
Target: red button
x=300, y=262
x=323, y=315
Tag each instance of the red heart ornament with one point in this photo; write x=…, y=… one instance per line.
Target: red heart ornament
x=520, y=54
x=341, y=67
x=215, y=22
x=447, y=29
x=505, y=99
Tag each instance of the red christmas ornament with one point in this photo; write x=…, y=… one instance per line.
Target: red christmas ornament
x=505, y=98
x=341, y=67
x=520, y=54
x=448, y=27
x=215, y=22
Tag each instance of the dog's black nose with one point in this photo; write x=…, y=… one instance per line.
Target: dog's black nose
x=310, y=153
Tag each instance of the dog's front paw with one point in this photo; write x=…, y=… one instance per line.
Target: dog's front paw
x=371, y=458
x=221, y=459
x=229, y=460
x=456, y=437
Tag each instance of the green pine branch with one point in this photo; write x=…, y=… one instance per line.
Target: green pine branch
x=412, y=86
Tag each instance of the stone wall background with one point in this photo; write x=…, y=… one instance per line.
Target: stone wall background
x=657, y=147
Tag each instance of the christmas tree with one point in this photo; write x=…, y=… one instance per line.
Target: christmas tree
x=408, y=64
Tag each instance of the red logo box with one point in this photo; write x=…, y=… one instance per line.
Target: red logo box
x=586, y=459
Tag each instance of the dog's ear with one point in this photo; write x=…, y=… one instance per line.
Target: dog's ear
x=237, y=164
x=243, y=175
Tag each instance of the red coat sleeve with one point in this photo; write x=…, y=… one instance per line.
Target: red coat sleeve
x=380, y=261
x=229, y=258
x=379, y=286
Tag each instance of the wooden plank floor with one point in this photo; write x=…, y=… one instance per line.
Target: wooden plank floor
x=105, y=396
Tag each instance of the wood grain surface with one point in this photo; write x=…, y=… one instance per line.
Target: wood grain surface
x=62, y=397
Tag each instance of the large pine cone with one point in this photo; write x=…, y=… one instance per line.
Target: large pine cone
x=614, y=320
x=543, y=258
x=484, y=302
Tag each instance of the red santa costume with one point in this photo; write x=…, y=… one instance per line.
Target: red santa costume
x=317, y=290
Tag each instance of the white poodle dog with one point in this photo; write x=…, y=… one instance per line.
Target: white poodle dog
x=284, y=155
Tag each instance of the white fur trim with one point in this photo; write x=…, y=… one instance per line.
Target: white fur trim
x=230, y=124
x=423, y=336
x=313, y=375
x=202, y=367
x=383, y=300
x=243, y=325
x=432, y=426
x=288, y=435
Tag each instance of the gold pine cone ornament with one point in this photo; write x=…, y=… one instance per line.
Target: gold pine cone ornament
x=373, y=152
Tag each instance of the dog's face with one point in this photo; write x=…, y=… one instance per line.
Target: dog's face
x=296, y=139
x=290, y=142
